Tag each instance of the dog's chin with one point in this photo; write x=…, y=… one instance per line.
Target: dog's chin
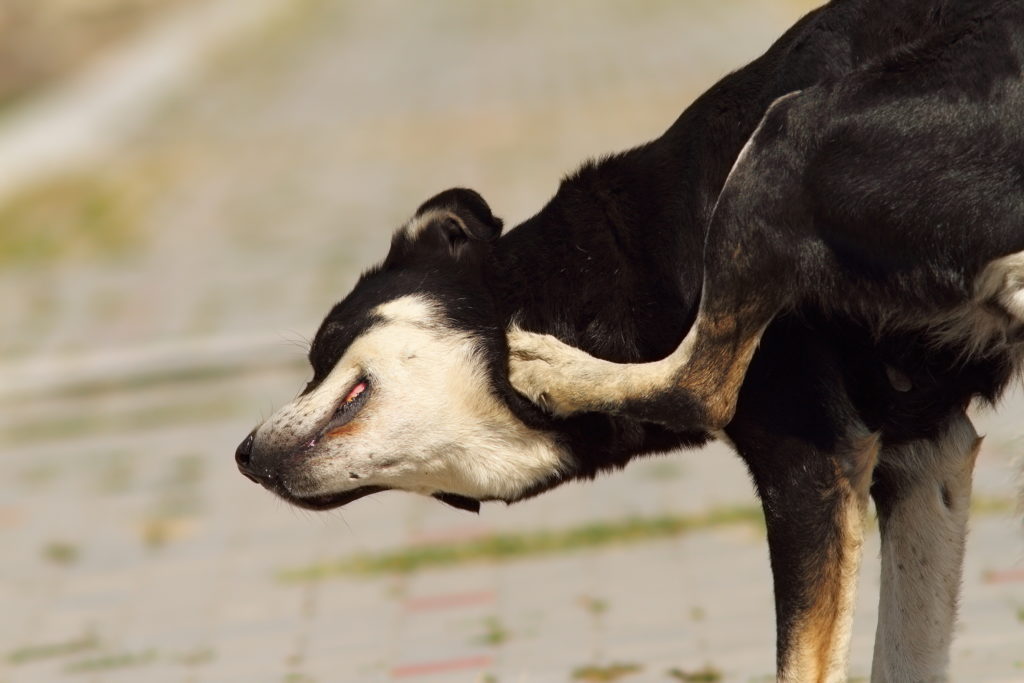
x=329, y=501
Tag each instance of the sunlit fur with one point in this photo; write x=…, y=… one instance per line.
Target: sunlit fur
x=613, y=265
x=431, y=423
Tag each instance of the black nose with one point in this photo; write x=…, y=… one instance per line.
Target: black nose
x=243, y=455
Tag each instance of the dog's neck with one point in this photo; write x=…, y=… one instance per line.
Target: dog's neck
x=613, y=263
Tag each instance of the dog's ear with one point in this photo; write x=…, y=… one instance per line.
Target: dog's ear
x=455, y=223
x=468, y=215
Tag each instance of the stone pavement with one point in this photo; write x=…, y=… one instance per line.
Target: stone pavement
x=133, y=549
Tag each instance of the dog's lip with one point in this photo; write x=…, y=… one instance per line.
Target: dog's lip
x=329, y=501
x=345, y=411
x=323, y=501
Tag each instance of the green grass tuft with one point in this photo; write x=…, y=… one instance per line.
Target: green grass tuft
x=609, y=672
x=495, y=633
x=110, y=662
x=32, y=653
x=60, y=552
x=594, y=606
x=196, y=657
x=708, y=674
x=515, y=545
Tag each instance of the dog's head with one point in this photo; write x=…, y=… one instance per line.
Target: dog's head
x=410, y=388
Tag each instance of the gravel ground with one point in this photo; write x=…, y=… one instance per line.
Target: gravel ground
x=251, y=199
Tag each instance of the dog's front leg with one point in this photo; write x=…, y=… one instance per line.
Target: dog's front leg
x=814, y=504
x=922, y=492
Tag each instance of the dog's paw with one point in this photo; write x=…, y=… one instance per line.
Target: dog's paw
x=547, y=371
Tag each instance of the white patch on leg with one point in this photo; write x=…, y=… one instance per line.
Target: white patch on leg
x=922, y=555
x=993, y=318
x=1002, y=281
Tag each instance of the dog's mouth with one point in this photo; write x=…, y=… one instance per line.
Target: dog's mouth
x=338, y=424
x=329, y=501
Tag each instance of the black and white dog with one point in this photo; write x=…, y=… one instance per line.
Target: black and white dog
x=850, y=205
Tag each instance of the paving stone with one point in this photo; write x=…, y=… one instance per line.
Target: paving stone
x=282, y=172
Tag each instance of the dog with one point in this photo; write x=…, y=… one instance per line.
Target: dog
x=835, y=233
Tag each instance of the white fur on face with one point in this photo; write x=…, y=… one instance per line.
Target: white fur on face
x=431, y=422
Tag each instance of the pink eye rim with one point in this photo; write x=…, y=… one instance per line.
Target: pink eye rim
x=355, y=392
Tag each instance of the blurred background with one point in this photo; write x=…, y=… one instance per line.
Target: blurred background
x=186, y=187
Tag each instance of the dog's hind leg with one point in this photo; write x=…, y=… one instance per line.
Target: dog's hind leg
x=922, y=491
x=751, y=272
x=694, y=387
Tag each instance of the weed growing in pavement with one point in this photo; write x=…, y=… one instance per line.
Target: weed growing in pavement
x=32, y=653
x=600, y=673
x=594, y=606
x=495, y=633
x=708, y=674
x=111, y=662
x=514, y=545
x=61, y=552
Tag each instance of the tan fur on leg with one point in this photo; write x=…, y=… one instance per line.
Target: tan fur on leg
x=821, y=638
x=708, y=365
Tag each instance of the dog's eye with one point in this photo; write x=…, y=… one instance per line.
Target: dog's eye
x=356, y=391
x=349, y=407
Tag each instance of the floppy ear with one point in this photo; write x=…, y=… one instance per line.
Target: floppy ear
x=455, y=223
x=469, y=216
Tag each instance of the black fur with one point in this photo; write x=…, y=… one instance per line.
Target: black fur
x=614, y=263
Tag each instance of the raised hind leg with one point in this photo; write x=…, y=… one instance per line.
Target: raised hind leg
x=695, y=386
x=751, y=264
